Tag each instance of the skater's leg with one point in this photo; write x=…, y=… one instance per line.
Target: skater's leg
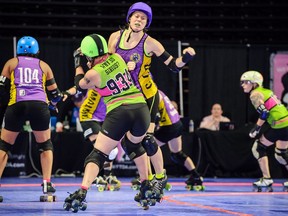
x=259, y=151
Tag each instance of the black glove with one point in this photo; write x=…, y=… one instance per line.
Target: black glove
x=77, y=58
x=255, y=131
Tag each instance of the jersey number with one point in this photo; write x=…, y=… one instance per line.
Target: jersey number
x=27, y=75
x=122, y=82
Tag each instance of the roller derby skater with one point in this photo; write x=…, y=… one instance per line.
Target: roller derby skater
x=274, y=113
x=145, y=195
x=76, y=201
x=263, y=184
x=169, y=131
x=127, y=115
x=123, y=42
x=48, y=191
x=31, y=105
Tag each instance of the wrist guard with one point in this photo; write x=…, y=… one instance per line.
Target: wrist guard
x=186, y=57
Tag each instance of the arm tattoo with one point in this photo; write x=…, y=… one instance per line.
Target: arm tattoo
x=257, y=99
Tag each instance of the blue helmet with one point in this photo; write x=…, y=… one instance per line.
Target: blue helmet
x=27, y=45
x=140, y=6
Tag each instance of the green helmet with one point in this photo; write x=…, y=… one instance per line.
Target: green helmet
x=94, y=45
x=253, y=77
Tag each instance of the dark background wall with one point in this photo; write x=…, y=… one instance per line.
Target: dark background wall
x=229, y=37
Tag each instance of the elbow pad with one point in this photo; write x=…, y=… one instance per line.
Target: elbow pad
x=264, y=113
x=77, y=79
x=4, y=85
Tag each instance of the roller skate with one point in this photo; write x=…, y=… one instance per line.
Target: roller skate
x=76, y=201
x=100, y=183
x=145, y=197
x=48, y=191
x=285, y=185
x=135, y=183
x=158, y=185
x=113, y=183
x=263, y=184
x=193, y=183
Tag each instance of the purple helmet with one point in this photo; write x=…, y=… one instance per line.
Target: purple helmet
x=140, y=6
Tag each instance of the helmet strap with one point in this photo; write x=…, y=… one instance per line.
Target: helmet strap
x=129, y=36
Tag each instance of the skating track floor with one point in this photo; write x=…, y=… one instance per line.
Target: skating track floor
x=221, y=197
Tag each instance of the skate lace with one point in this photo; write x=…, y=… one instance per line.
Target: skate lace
x=158, y=184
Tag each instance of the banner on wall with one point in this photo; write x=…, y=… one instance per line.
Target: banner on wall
x=279, y=76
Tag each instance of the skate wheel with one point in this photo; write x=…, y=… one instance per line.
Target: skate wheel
x=168, y=187
x=135, y=187
x=269, y=189
x=83, y=207
x=148, y=194
x=189, y=187
x=101, y=188
x=111, y=188
x=67, y=206
x=198, y=188
x=1, y=199
x=152, y=202
x=144, y=204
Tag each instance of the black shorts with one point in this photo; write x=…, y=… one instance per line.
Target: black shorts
x=167, y=133
x=153, y=104
x=37, y=112
x=274, y=135
x=90, y=128
x=129, y=117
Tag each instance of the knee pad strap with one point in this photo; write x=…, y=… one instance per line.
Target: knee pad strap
x=96, y=157
x=5, y=146
x=133, y=150
x=45, y=146
x=179, y=157
x=150, y=144
x=281, y=156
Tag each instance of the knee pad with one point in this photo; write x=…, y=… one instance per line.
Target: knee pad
x=281, y=156
x=96, y=157
x=179, y=157
x=4, y=146
x=150, y=144
x=131, y=149
x=45, y=146
x=259, y=150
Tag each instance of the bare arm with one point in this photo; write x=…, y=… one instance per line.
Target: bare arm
x=113, y=41
x=257, y=99
x=152, y=46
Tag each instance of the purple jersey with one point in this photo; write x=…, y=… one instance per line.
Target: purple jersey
x=27, y=81
x=141, y=74
x=93, y=107
x=169, y=115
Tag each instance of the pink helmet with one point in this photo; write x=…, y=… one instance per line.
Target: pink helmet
x=140, y=6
